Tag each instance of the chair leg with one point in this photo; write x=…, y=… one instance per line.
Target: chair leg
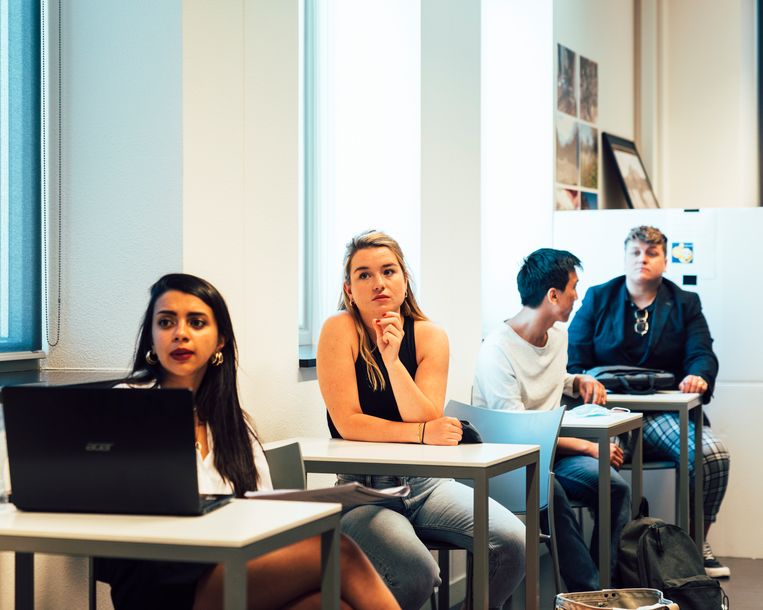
x=443, y=559
x=469, y=597
x=92, y=601
x=552, y=534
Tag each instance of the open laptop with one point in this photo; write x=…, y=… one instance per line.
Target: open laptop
x=103, y=450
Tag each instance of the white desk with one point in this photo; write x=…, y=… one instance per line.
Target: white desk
x=685, y=405
x=601, y=428
x=476, y=462
x=230, y=535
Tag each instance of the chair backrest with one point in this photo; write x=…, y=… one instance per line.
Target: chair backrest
x=515, y=427
x=287, y=471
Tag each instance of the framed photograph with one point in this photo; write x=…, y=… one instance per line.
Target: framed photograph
x=567, y=199
x=588, y=145
x=566, y=149
x=566, y=100
x=589, y=90
x=633, y=179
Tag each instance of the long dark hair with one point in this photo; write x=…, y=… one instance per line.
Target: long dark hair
x=217, y=402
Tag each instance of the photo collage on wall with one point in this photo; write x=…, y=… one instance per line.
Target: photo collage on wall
x=577, y=137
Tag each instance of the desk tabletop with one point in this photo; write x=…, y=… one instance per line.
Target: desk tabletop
x=609, y=420
x=235, y=525
x=660, y=401
x=481, y=455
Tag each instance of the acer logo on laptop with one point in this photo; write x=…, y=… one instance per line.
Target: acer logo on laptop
x=99, y=447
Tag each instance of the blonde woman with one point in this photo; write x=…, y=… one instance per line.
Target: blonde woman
x=382, y=370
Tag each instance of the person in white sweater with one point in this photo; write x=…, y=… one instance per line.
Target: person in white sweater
x=522, y=365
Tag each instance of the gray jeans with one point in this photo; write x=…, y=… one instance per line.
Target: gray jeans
x=437, y=509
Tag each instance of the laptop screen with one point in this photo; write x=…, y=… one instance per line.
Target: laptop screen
x=94, y=449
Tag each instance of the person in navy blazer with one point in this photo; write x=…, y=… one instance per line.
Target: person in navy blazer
x=643, y=319
x=678, y=339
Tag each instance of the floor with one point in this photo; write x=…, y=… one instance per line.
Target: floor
x=745, y=587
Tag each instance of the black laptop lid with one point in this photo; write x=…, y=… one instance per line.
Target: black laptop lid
x=109, y=450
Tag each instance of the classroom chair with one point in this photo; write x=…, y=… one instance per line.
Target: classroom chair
x=287, y=471
x=515, y=427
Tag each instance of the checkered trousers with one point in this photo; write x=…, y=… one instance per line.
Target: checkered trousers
x=662, y=442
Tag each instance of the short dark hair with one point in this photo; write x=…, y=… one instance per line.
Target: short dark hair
x=542, y=270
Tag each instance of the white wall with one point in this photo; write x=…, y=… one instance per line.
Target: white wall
x=450, y=179
x=517, y=146
x=603, y=31
x=241, y=202
x=121, y=172
x=121, y=179
x=707, y=109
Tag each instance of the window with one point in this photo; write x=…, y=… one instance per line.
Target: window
x=362, y=139
x=20, y=233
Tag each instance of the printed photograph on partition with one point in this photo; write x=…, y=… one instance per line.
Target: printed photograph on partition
x=589, y=201
x=566, y=149
x=566, y=101
x=588, y=139
x=682, y=252
x=567, y=199
x=634, y=176
x=589, y=90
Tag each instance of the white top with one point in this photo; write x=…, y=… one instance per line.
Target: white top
x=515, y=375
x=210, y=480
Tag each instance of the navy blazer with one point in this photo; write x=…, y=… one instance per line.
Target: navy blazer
x=679, y=338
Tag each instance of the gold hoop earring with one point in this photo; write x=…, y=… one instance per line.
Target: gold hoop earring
x=151, y=357
x=217, y=359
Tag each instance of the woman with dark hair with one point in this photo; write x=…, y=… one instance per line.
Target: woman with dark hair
x=187, y=341
x=383, y=370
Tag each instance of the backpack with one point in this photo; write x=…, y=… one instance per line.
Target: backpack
x=633, y=379
x=662, y=556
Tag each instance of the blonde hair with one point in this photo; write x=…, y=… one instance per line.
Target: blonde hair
x=649, y=235
x=409, y=308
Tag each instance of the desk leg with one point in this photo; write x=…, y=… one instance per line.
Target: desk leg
x=637, y=471
x=234, y=585
x=330, y=569
x=605, y=512
x=683, y=472
x=480, y=549
x=24, y=581
x=532, y=537
x=699, y=503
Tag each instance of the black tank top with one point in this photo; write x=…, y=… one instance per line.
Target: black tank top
x=382, y=403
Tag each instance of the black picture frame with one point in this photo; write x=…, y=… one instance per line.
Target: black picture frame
x=634, y=181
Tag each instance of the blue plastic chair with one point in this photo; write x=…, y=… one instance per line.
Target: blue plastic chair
x=526, y=428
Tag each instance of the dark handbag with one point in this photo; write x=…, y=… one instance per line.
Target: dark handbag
x=622, y=379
